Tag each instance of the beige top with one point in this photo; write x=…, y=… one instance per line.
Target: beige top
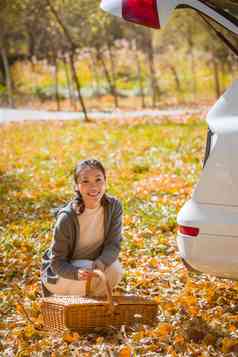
x=91, y=223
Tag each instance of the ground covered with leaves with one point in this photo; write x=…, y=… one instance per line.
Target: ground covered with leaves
x=152, y=166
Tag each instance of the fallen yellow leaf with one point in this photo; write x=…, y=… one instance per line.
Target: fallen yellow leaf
x=164, y=329
x=126, y=351
x=179, y=339
x=228, y=344
x=29, y=331
x=71, y=337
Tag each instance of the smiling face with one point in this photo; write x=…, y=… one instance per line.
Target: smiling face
x=91, y=184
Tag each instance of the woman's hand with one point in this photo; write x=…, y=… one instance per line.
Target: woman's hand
x=98, y=264
x=84, y=274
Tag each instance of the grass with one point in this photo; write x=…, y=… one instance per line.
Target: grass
x=152, y=167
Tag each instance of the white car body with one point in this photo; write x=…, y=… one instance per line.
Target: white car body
x=208, y=234
x=213, y=207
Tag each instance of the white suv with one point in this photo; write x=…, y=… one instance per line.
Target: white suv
x=208, y=223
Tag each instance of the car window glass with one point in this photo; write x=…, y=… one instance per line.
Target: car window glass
x=230, y=7
x=233, y=38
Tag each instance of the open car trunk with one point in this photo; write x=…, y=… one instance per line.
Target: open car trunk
x=155, y=13
x=208, y=223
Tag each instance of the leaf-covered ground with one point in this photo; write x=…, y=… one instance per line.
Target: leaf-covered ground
x=152, y=167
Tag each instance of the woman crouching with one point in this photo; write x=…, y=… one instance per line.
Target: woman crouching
x=87, y=236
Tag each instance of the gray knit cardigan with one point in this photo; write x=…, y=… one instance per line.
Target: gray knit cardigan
x=56, y=259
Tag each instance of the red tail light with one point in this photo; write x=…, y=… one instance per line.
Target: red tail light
x=189, y=231
x=143, y=12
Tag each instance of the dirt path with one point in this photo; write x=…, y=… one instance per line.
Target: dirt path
x=18, y=115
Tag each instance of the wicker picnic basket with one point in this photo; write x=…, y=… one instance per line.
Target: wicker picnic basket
x=84, y=314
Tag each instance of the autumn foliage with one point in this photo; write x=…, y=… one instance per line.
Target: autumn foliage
x=152, y=166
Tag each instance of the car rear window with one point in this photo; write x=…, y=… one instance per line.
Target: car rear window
x=225, y=7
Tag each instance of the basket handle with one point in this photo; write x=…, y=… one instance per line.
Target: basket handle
x=98, y=273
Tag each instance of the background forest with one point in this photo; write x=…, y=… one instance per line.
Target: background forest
x=65, y=54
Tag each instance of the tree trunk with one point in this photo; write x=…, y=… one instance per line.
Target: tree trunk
x=139, y=74
x=31, y=43
x=179, y=93
x=69, y=85
x=223, y=72
x=57, y=97
x=78, y=86
x=176, y=78
x=216, y=77
x=154, y=83
x=71, y=57
x=113, y=77
x=194, y=73
x=107, y=75
x=230, y=68
x=193, y=63
x=2, y=72
x=95, y=72
x=8, y=77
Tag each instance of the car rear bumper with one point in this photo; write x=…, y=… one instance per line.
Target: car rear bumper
x=215, y=255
